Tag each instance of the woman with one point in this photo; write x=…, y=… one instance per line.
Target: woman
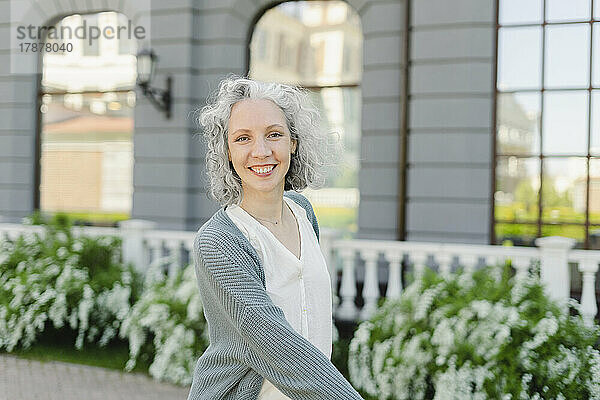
x=262, y=278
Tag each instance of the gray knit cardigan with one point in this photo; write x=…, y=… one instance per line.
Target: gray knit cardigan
x=249, y=335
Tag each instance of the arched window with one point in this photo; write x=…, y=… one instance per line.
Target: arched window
x=86, y=122
x=318, y=45
x=548, y=121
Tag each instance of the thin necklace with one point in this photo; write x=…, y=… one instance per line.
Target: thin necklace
x=266, y=220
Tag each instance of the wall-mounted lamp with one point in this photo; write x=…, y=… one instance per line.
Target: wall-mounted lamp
x=161, y=98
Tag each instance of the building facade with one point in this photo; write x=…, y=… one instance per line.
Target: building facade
x=426, y=157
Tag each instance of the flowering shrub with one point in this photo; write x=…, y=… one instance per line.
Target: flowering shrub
x=475, y=336
x=169, y=311
x=55, y=277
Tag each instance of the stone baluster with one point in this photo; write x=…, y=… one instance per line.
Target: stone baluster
x=394, y=288
x=588, y=268
x=347, y=310
x=370, y=292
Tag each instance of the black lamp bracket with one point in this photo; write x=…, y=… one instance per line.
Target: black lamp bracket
x=161, y=98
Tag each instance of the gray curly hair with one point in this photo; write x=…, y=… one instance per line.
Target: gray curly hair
x=309, y=165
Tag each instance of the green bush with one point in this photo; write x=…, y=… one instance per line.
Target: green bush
x=479, y=336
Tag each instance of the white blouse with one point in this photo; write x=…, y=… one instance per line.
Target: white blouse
x=300, y=287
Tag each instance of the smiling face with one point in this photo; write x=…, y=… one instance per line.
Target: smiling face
x=259, y=144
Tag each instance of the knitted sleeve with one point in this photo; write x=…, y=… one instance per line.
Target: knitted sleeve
x=274, y=349
x=303, y=201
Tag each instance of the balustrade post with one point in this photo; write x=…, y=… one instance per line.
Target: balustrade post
x=347, y=310
x=554, y=266
x=174, y=247
x=133, y=249
x=588, y=269
x=444, y=261
x=419, y=262
x=394, y=288
x=371, y=284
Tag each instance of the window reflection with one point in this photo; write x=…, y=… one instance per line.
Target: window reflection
x=595, y=124
x=518, y=123
x=567, y=56
x=318, y=45
x=565, y=123
x=595, y=191
x=571, y=10
x=594, y=234
x=576, y=232
x=568, y=114
x=564, y=188
x=596, y=54
x=520, y=12
x=519, y=58
x=517, y=187
x=87, y=107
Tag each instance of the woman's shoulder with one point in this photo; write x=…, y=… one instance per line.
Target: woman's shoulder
x=305, y=203
x=301, y=200
x=217, y=230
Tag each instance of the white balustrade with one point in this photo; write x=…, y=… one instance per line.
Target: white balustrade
x=370, y=291
x=419, y=259
x=587, y=261
x=347, y=310
x=394, y=284
x=445, y=263
x=554, y=271
x=140, y=240
x=134, y=251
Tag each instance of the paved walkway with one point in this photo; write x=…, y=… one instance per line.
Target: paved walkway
x=22, y=379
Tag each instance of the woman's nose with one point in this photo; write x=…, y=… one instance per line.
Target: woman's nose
x=261, y=149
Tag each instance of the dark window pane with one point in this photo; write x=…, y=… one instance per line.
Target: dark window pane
x=595, y=191
x=520, y=11
x=516, y=234
x=564, y=184
x=571, y=10
x=518, y=123
x=519, y=58
x=517, y=188
x=576, y=232
x=567, y=56
x=594, y=235
x=565, y=123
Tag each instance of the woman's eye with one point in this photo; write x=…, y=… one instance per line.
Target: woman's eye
x=276, y=133
x=241, y=137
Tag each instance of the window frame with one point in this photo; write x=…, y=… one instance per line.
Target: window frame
x=590, y=89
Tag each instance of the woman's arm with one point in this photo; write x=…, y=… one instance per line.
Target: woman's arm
x=275, y=350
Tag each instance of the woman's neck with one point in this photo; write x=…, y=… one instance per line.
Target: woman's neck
x=264, y=205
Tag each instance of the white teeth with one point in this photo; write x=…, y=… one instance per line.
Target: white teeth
x=263, y=170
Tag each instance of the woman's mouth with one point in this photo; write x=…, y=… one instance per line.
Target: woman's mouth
x=262, y=171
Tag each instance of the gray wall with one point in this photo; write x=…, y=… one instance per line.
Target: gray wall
x=450, y=121
x=384, y=30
